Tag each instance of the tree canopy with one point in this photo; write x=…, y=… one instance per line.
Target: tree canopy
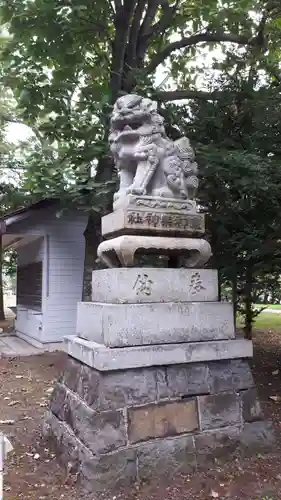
x=68, y=61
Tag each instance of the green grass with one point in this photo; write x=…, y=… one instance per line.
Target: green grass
x=266, y=321
x=268, y=306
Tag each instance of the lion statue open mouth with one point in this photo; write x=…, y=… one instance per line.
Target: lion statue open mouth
x=149, y=163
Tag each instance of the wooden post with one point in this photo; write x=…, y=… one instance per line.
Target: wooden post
x=2, y=313
x=5, y=448
x=2, y=454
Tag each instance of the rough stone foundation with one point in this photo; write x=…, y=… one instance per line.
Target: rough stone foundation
x=121, y=426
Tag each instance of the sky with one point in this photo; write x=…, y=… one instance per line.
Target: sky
x=17, y=132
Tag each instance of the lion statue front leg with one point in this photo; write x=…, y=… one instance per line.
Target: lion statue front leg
x=147, y=163
x=126, y=178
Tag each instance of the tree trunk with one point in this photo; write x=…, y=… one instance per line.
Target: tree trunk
x=219, y=286
x=273, y=296
x=2, y=313
x=234, y=295
x=265, y=300
x=248, y=303
x=92, y=234
x=93, y=238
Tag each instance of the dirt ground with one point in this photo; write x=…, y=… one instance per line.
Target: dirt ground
x=32, y=472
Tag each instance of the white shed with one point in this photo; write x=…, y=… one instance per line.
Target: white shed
x=50, y=262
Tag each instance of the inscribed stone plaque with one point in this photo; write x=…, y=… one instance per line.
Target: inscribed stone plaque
x=139, y=285
x=140, y=221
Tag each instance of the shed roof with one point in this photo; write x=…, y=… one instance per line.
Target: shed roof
x=11, y=239
x=22, y=213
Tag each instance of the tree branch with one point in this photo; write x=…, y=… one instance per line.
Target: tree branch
x=118, y=5
x=177, y=95
x=260, y=38
x=194, y=40
x=149, y=16
x=271, y=7
x=145, y=30
x=131, y=56
x=173, y=131
x=122, y=27
x=164, y=21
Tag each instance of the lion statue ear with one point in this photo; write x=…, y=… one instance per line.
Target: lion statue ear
x=149, y=104
x=185, y=150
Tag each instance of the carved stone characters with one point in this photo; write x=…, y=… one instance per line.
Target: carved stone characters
x=149, y=163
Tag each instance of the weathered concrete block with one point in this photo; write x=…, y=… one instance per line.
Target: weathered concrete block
x=230, y=375
x=83, y=380
x=109, y=472
x=101, y=432
x=127, y=439
x=251, y=408
x=59, y=401
x=71, y=373
x=219, y=410
x=162, y=420
x=257, y=436
x=61, y=439
x=110, y=359
x=88, y=387
x=96, y=472
x=112, y=390
x=142, y=285
x=184, y=380
x=166, y=457
x=128, y=388
x=213, y=445
x=122, y=325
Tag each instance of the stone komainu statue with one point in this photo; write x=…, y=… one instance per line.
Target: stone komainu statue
x=148, y=162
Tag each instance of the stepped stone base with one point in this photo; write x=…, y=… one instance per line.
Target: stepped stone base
x=122, y=325
x=116, y=427
x=104, y=358
x=149, y=306
x=155, y=381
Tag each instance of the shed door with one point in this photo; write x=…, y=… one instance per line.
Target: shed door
x=29, y=285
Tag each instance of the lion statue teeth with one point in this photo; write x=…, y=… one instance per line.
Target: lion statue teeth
x=148, y=162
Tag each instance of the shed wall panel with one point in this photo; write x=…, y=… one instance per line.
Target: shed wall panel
x=62, y=253
x=29, y=320
x=66, y=251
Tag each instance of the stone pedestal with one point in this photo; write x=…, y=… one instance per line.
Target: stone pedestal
x=155, y=382
x=153, y=225
x=154, y=215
